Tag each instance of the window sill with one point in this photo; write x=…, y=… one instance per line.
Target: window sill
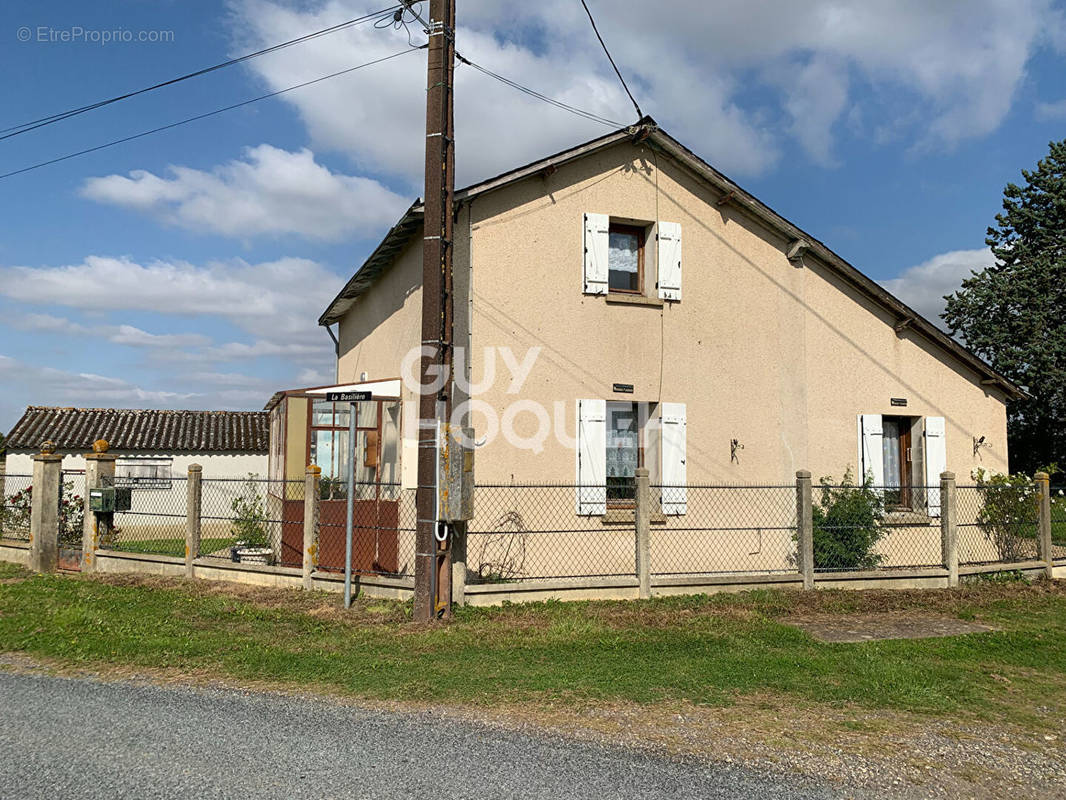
x=907, y=517
x=622, y=516
x=633, y=300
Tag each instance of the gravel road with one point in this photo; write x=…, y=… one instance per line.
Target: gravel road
x=74, y=737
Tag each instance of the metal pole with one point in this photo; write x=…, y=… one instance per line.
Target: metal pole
x=351, y=508
x=436, y=297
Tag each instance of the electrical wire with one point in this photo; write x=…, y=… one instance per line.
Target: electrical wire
x=533, y=93
x=514, y=84
x=205, y=115
x=25, y=127
x=640, y=114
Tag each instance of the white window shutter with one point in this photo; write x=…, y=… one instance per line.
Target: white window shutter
x=597, y=245
x=871, y=449
x=674, y=493
x=669, y=251
x=936, y=461
x=592, y=457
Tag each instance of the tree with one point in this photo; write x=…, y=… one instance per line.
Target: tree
x=1013, y=314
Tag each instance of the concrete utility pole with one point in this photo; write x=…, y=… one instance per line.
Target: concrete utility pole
x=433, y=558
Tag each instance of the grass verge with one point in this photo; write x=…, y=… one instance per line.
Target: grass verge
x=696, y=650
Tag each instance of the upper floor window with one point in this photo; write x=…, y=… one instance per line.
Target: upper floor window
x=625, y=259
x=614, y=257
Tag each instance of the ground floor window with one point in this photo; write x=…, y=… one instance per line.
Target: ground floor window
x=897, y=461
x=624, y=452
x=143, y=473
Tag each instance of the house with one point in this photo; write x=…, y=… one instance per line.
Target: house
x=672, y=320
x=152, y=445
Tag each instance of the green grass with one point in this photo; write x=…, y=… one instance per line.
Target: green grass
x=706, y=650
x=172, y=546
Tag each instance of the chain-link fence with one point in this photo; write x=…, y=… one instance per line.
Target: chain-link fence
x=16, y=492
x=998, y=522
x=383, y=528
x=155, y=522
x=1058, y=523
x=533, y=531
x=722, y=530
x=252, y=520
x=858, y=528
x=71, y=509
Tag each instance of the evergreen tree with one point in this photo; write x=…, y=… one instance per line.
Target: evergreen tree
x=1013, y=314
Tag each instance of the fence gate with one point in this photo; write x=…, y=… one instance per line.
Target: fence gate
x=71, y=517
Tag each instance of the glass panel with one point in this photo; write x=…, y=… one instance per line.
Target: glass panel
x=322, y=414
x=623, y=451
x=623, y=252
x=390, y=450
x=340, y=414
x=368, y=414
x=365, y=456
x=322, y=452
x=623, y=260
x=892, y=460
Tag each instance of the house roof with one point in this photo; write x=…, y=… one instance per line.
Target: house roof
x=647, y=131
x=151, y=430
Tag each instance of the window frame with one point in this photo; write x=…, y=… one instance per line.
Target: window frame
x=905, y=456
x=138, y=482
x=374, y=433
x=641, y=234
x=625, y=502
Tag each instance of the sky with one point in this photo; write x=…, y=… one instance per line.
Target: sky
x=187, y=269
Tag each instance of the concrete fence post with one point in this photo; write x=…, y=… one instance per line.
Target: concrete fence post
x=642, y=516
x=1043, y=486
x=44, y=509
x=194, y=505
x=311, y=512
x=949, y=529
x=97, y=529
x=805, y=527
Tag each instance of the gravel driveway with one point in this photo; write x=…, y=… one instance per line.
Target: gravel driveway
x=73, y=737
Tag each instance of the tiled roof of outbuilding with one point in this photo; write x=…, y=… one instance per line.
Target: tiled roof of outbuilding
x=149, y=430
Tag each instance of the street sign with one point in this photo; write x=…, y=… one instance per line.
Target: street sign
x=348, y=397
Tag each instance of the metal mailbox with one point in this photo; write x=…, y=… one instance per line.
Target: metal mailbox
x=108, y=499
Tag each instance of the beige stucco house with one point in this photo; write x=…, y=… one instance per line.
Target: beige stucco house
x=671, y=320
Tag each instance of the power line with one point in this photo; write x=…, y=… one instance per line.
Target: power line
x=640, y=114
x=15, y=130
x=205, y=115
x=514, y=84
x=533, y=93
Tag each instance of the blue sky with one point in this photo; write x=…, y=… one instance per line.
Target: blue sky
x=187, y=269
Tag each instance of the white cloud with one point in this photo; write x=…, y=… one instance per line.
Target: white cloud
x=277, y=300
x=924, y=286
x=116, y=334
x=1050, y=111
x=271, y=192
x=704, y=75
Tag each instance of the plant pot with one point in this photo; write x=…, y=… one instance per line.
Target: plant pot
x=255, y=555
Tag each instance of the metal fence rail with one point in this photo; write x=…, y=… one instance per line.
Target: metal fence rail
x=155, y=523
x=723, y=530
x=533, y=531
x=998, y=523
x=16, y=492
x=263, y=518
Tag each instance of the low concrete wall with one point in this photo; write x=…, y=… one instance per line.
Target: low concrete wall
x=16, y=552
x=211, y=569
x=568, y=589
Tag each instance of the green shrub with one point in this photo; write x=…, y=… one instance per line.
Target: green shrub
x=250, y=519
x=847, y=525
x=1009, y=513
